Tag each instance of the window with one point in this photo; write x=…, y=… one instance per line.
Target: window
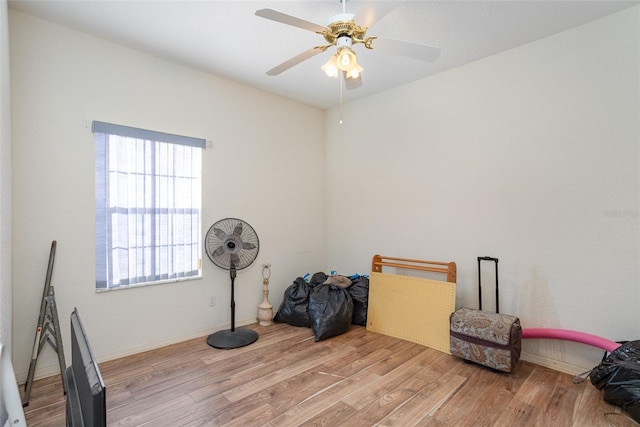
x=148, y=203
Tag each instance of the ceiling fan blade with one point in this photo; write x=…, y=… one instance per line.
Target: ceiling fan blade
x=294, y=61
x=351, y=83
x=374, y=11
x=237, y=230
x=274, y=15
x=402, y=48
x=248, y=246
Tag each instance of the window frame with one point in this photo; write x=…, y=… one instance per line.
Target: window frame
x=104, y=256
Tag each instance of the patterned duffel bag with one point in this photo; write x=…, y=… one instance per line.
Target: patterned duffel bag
x=490, y=339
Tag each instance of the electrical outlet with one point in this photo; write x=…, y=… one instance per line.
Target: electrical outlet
x=212, y=301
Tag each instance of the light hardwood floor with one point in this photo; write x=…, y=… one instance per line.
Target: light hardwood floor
x=360, y=378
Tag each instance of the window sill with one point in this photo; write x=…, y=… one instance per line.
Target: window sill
x=142, y=285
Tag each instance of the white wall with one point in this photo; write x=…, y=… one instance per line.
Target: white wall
x=530, y=156
x=5, y=183
x=266, y=167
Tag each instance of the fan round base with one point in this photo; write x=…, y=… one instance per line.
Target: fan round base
x=232, y=339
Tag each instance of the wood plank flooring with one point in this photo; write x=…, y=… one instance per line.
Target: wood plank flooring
x=360, y=378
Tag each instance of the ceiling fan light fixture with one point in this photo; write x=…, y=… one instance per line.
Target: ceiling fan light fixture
x=354, y=73
x=346, y=59
x=331, y=67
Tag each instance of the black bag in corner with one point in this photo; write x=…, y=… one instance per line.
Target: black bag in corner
x=330, y=311
x=359, y=291
x=317, y=279
x=295, y=304
x=618, y=376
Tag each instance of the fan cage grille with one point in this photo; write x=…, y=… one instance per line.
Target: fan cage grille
x=232, y=243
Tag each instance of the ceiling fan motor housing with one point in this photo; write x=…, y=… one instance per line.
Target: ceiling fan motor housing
x=340, y=18
x=343, y=26
x=344, y=41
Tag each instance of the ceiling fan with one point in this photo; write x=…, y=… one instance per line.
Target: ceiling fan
x=344, y=31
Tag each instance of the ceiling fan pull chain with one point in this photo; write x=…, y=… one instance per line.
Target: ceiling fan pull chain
x=341, y=84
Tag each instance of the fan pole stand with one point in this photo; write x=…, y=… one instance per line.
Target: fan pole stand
x=265, y=309
x=232, y=338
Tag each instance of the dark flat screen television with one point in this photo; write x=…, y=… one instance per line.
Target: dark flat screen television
x=86, y=392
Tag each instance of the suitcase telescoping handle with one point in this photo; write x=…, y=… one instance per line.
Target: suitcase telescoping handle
x=487, y=258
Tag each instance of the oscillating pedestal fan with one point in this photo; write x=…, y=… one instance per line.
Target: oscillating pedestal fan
x=232, y=244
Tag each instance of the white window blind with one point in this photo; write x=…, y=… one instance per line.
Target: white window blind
x=148, y=203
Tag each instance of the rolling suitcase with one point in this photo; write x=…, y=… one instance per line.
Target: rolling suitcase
x=489, y=339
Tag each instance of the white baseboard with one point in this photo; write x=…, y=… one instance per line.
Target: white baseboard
x=151, y=345
x=47, y=371
x=44, y=371
x=553, y=364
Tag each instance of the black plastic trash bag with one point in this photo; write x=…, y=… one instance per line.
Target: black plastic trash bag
x=359, y=291
x=317, y=279
x=330, y=311
x=295, y=304
x=618, y=376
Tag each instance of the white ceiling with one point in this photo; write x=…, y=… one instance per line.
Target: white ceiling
x=226, y=39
